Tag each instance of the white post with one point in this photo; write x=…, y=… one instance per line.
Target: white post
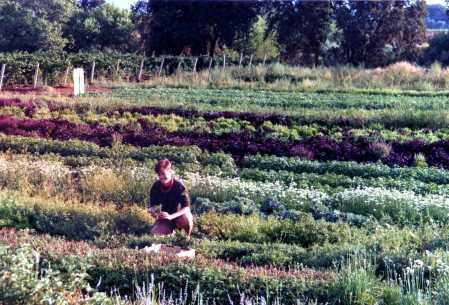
x=194, y=65
x=2, y=75
x=78, y=81
x=178, y=69
x=264, y=59
x=36, y=75
x=210, y=64
x=92, y=73
x=240, y=61
x=162, y=65
x=224, y=61
x=250, y=61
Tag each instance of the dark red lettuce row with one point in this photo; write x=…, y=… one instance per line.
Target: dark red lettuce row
x=314, y=148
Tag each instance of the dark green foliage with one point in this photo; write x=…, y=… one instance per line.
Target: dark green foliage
x=193, y=27
x=380, y=32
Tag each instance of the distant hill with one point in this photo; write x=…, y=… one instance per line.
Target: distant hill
x=437, y=17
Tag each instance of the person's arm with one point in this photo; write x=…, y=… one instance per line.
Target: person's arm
x=153, y=202
x=165, y=215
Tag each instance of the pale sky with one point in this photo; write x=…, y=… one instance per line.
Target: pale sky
x=127, y=3
x=122, y=3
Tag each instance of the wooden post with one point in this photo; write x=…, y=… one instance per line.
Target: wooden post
x=250, y=61
x=210, y=64
x=36, y=75
x=118, y=67
x=194, y=65
x=240, y=61
x=224, y=61
x=162, y=65
x=66, y=76
x=264, y=59
x=2, y=75
x=92, y=73
x=139, y=77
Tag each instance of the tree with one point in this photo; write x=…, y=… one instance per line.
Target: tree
x=302, y=28
x=196, y=27
x=105, y=27
x=31, y=25
x=379, y=32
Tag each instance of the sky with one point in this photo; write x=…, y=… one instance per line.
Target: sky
x=127, y=3
x=122, y=3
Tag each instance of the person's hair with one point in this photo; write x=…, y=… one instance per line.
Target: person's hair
x=162, y=165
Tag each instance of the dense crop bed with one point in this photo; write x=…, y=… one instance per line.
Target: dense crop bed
x=343, y=201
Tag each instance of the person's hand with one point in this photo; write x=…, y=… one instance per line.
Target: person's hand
x=164, y=215
x=152, y=212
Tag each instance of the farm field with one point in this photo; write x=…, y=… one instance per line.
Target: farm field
x=299, y=197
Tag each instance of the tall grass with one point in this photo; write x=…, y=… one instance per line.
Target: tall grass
x=398, y=76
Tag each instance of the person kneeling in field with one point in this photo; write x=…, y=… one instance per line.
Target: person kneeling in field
x=171, y=194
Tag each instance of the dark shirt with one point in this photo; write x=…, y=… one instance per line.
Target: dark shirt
x=171, y=199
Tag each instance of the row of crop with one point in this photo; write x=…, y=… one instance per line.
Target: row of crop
x=121, y=269
x=327, y=243
x=246, y=240
x=238, y=145
x=307, y=238
x=200, y=125
x=21, y=66
x=332, y=288
x=93, y=222
x=349, y=169
x=130, y=184
x=354, y=282
x=77, y=150
x=333, y=182
x=398, y=117
x=322, y=100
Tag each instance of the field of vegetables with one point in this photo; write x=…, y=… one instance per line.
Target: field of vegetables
x=323, y=197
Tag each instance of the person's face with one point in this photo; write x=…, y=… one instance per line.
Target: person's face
x=165, y=176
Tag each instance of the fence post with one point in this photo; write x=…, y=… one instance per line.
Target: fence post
x=250, y=60
x=194, y=65
x=178, y=69
x=66, y=76
x=117, y=68
x=162, y=65
x=92, y=73
x=2, y=75
x=36, y=75
x=139, y=77
x=210, y=64
x=224, y=61
x=240, y=61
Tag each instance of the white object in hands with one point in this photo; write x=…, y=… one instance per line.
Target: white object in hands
x=78, y=81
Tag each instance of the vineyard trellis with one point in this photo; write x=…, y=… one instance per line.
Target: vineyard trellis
x=54, y=66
